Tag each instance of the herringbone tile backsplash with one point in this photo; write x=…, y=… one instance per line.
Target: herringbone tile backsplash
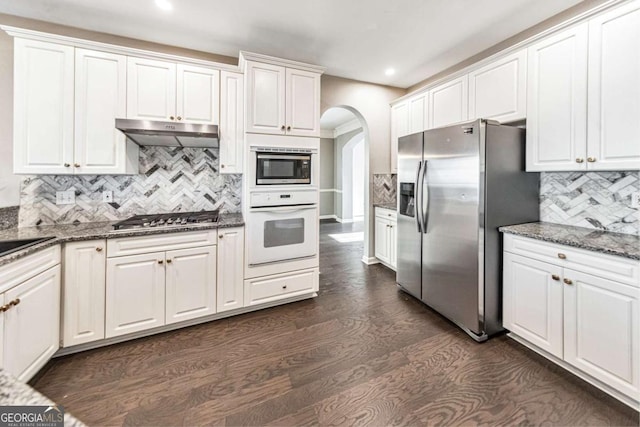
x=600, y=200
x=170, y=180
x=384, y=188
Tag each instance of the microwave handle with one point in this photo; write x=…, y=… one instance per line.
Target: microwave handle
x=284, y=209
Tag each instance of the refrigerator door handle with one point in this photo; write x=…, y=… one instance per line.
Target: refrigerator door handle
x=417, y=212
x=424, y=186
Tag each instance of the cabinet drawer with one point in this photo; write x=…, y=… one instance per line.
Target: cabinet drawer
x=272, y=288
x=602, y=265
x=25, y=268
x=386, y=213
x=160, y=242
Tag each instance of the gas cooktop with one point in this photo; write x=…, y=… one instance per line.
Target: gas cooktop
x=176, y=219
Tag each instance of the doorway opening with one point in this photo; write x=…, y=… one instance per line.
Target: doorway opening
x=344, y=178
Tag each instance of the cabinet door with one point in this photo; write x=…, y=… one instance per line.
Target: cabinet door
x=557, y=102
x=382, y=245
x=231, y=122
x=198, y=94
x=230, y=268
x=32, y=325
x=191, y=283
x=602, y=330
x=614, y=89
x=417, y=112
x=449, y=103
x=100, y=98
x=399, y=128
x=302, y=114
x=43, y=108
x=84, y=288
x=499, y=90
x=151, y=89
x=265, y=98
x=532, y=301
x=134, y=293
x=393, y=237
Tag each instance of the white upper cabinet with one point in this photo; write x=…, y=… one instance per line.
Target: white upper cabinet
x=399, y=128
x=557, y=102
x=100, y=98
x=449, y=102
x=151, y=89
x=43, y=108
x=498, y=90
x=231, y=122
x=613, y=133
x=265, y=98
x=282, y=100
x=198, y=94
x=302, y=113
x=417, y=113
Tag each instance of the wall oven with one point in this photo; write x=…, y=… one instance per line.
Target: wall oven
x=282, y=226
x=282, y=166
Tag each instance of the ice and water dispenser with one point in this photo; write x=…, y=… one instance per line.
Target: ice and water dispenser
x=407, y=199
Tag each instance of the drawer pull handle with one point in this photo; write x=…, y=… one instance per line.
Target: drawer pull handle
x=568, y=281
x=98, y=249
x=555, y=277
x=562, y=256
x=14, y=302
x=284, y=286
x=4, y=308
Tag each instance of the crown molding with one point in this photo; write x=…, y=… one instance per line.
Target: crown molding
x=258, y=57
x=351, y=125
x=326, y=133
x=111, y=48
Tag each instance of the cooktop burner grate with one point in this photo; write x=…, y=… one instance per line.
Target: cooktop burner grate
x=167, y=220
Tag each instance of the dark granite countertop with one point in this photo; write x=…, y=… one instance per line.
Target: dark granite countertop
x=391, y=206
x=14, y=392
x=624, y=245
x=98, y=230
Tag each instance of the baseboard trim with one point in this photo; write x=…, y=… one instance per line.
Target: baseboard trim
x=370, y=260
x=328, y=217
x=344, y=221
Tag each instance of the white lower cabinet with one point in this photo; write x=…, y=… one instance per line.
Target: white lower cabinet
x=135, y=293
x=386, y=236
x=32, y=324
x=263, y=290
x=190, y=283
x=83, y=292
x=230, y=269
x=588, y=321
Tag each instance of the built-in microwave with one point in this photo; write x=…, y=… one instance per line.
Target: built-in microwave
x=282, y=166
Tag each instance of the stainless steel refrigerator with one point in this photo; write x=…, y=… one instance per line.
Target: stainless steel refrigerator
x=456, y=186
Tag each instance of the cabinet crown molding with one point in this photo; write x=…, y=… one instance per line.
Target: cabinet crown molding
x=258, y=57
x=111, y=48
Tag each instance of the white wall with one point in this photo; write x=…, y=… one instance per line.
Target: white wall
x=357, y=180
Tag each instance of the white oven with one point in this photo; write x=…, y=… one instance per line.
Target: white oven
x=282, y=226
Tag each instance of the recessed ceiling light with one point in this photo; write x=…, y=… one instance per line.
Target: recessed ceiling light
x=164, y=5
x=389, y=72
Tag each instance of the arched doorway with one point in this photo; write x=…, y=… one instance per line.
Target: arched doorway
x=345, y=196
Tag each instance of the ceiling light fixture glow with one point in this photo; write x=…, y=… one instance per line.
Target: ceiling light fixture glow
x=164, y=5
x=389, y=72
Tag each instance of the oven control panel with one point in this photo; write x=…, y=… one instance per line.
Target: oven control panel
x=283, y=198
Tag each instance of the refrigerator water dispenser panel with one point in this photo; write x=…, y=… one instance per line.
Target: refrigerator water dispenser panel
x=407, y=199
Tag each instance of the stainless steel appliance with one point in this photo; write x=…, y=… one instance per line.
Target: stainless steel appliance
x=282, y=226
x=10, y=246
x=456, y=186
x=282, y=166
x=169, y=134
x=176, y=219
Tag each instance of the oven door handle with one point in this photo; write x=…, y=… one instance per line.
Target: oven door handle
x=284, y=209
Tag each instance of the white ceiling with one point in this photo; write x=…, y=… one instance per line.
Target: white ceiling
x=334, y=117
x=357, y=39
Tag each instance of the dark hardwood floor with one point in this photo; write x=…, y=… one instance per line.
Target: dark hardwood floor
x=361, y=353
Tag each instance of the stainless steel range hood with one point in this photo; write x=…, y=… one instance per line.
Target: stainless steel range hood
x=169, y=134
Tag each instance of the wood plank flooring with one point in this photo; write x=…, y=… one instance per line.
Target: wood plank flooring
x=361, y=353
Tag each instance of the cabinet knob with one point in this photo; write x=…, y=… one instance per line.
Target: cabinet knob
x=288, y=127
x=284, y=286
x=76, y=165
x=160, y=261
x=591, y=159
x=555, y=277
x=562, y=256
x=221, y=236
x=169, y=261
x=14, y=302
x=66, y=165
x=98, y=249
x=179, y=118
x=171, y=118
x=222, y=166
x=568, y=281
x=579, y=160
x=282, y=127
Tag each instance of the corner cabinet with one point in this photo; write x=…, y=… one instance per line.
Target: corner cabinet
x=65, y=104
x=385, y=236
x=231, y=122
x=579, y=308
x=281, y=99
